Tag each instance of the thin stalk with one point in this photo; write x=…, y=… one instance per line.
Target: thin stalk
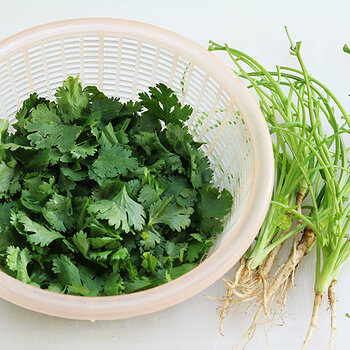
x=296, y=106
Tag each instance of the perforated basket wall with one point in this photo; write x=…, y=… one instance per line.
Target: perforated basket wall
x=124, y=65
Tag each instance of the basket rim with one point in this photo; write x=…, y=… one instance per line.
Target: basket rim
x=221, y=260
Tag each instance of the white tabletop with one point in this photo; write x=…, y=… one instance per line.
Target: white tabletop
x=257, y=28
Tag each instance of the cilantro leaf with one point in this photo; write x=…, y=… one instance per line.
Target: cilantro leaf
x=35, y=191
x=150, y=239
x=77, y=280
x=213, y=203
x=149, y=262
x=81, y=242
x=108, y=107
x=138, y=284
x=38, y=234
x=99, y=242
x=58, y=212
x=5, y=211
x=193, y=251
x=149, y=142
x=83, y=150
x=17, y=260
x=163, y=103
x=68, y=273
x=72, y=174
x=71, y=99
x=121, y=211
x=180, y=140
x=108, y=136
x=47, y=130
x=212, y=207
x=201, y=173
x=6, y=175
x=114, y=284
x=100, y=256
x=94, y=284
x=114, y=161
x=121, y=254
x=147, y=196
x=4, y=125
x=27, y=107
x=164, y=212
x=197, y=249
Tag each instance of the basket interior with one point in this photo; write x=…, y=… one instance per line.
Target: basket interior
x=123, y=66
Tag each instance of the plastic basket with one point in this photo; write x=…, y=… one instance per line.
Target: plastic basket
x=124, y=58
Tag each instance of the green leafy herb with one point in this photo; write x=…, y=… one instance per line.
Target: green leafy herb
x=100, y=197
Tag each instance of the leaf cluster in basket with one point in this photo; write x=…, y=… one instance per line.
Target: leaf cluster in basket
x=99, y=197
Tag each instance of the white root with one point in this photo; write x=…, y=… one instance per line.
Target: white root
x=333, y=305
x=227, y=303
x=265, y=270
x=300, y=197
x=294, y=259
x=290, y=282
x=252, y=285
x=270, y=259
x=239, y=271
x=284, y=292
x=248, y=336
x=283, y=277
x=264, y=283
x=314, y=317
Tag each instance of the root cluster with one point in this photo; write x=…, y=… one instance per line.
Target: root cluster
x=266, y=292
x=261, y=290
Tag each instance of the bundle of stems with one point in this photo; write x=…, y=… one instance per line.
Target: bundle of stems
x=309, y=163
